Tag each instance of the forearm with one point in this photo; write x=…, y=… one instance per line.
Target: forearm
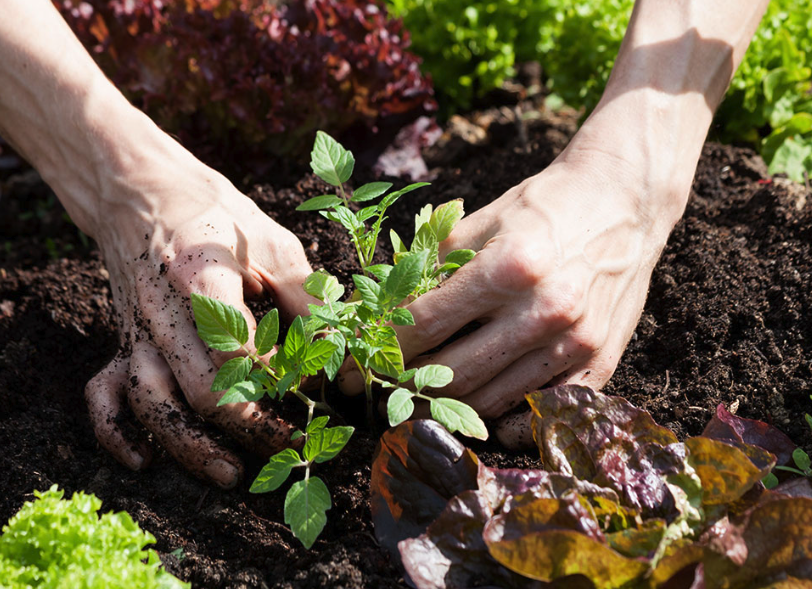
x=673, y=69
x=61, y=113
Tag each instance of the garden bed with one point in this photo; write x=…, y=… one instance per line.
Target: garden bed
x=728, y=320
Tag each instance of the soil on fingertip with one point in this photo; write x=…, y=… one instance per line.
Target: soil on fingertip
x=728, y=320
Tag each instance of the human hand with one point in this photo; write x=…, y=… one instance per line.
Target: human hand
x=202, y=236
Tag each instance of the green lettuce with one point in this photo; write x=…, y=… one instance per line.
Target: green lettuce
x=52, y=543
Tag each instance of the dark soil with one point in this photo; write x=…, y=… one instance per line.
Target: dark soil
x=729, y=320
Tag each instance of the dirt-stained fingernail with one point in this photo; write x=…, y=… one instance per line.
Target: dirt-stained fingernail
x=132, y=459
x=351, y=383
x=223, y=473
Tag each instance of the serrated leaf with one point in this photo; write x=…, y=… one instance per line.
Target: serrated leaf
x=369, y=289
x=222, y=327
x=276, y=472
x=397, y=244
x=401, y=316
x=317, y=355
x=424, y=240
x=433, y=375
x=370, y=191
x=460, y=257
x=284, y=383
x=330, y=161
x=317, y=203
x=400, y=406
x=242, y=392
x=456, y=416
x=324, y=286
x=405, y=277
x=361, y=351
x=231, y=372
x=445, y=218
x=388, y=359
x=318, y=423
x=344, y=217
x=295, y=341
x=324, y=444
x=422, y=218
x=365, y=214
x=334, y=362
x=267, y=332
x=379, y=271
x=390, y=198
x=306, y=506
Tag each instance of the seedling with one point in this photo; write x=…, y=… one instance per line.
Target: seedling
x=360, y=326
x=803, y=464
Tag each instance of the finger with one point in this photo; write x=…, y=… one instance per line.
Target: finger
x=194, y=370
x=528, y=373
x=282, y=268
x=105, y=394
x=151, y=396
x=515, y=432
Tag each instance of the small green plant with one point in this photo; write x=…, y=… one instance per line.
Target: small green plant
x=54, y=543
x=361, y=326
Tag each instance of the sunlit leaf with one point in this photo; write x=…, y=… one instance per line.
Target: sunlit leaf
x=267, y=332
x=276, y=471
x=401, y=316
x=242, y=392
x=231, y=372
x=221, y=326
x=370, y=191
x=317, y=355
x=404, y=277
x=330, y=161
x=456, y=416
x=460, y=257
x=725, y=471
x=388, y=359
x=295, y=341
x=306, y=506
x=400, y=406
x=433, y=375
x=324, y=286
x=324, y=444
x=445, y=218
x=319, y=202
x=334, y=362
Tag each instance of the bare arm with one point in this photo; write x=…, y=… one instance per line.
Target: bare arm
x=566, y=257
x=167, y=226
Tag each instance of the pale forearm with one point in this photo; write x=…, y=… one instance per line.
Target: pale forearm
x=674, y=67
x=63, y=115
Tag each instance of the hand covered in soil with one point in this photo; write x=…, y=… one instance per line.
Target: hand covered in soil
x=557, y=286
x=195, y=240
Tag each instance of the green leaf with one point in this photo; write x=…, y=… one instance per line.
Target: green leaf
x=324, y=444
x=460, y=257
x=456, y=416
x=295, y=341
x=267, y=332
x=319, y=423
x=296, y=435
x=445, y=218
x=379, y=271
x=317, y=355
x=405, y=277
x=397, y=244
x=222, y=327
x=400, y=406
x=422, y=218
x=324, y=286
x=306, y=506
x=369, y=289
x=425, y=240
x=401, y=316
x=770, y=481
x=361, y=351
x=242, y=392
x=801, y=459
x=330, y=161
x=317, y=203
x=344, y=217
x=433, y=375
x=808, y=420
x=231, y=372
x=370, y=191
x=366, y=213
x=390, y=199
x=407, y=375
x=284, y=383
x=334, y=362
x=276, y=472
x=388, y=359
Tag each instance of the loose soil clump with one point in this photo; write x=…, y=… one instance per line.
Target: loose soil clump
x=728, y=320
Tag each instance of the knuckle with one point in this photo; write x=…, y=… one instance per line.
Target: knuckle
x=428, y=326
x=522, y=265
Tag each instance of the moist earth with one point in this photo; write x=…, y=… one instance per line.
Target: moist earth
x=727, y=321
